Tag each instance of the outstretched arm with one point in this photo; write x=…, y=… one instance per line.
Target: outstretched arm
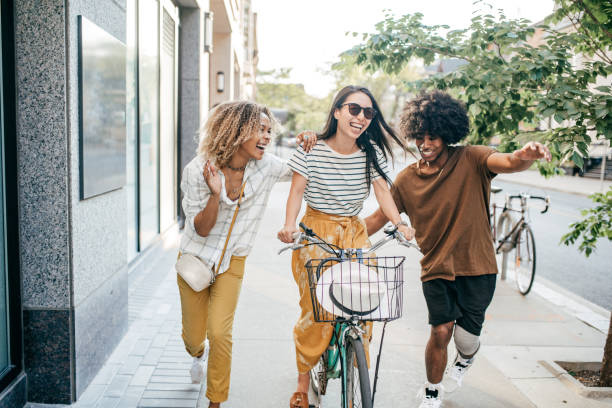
x=518, y=160
x=387, y=205
x=294, y=203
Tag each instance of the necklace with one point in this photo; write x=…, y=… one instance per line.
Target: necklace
x=237, y=168
x=232, y=193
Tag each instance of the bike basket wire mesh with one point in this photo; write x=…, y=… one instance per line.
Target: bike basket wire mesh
x=360, y=288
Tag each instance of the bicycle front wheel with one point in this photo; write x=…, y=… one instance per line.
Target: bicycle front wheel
x=524, y=260
x=358, y=393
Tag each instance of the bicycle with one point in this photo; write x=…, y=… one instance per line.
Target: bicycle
x=347, y=289
x=516, y=235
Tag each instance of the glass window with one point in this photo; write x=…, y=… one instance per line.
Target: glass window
x=148, y=87
x=4, y=333
x=168, y=142
x=131, y=131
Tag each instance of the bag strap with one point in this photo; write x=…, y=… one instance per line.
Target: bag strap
x=230, y=228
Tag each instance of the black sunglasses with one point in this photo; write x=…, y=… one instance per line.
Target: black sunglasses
x=355, y=108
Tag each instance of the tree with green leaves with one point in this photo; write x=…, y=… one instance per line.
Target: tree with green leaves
x=520, y=81
x=305, y=111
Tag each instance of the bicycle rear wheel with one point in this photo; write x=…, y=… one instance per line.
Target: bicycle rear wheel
x=524, y=259
x=358, y=393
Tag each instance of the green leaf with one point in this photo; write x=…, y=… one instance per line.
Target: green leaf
x=578, y=160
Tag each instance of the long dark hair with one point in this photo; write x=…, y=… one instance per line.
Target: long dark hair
x=377, y=132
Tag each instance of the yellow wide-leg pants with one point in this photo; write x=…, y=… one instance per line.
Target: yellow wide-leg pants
x=210, y=312
x=312, y=338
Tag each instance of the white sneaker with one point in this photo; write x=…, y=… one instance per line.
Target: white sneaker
x=456, y=371
x=197, y=368
x=430, y=395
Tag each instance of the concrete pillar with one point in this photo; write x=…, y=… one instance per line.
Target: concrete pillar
x=73, y=253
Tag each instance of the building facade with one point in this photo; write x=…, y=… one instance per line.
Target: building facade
x=65, y=256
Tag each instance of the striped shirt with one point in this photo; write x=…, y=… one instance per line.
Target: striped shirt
x=260, y=177
x=336, y=182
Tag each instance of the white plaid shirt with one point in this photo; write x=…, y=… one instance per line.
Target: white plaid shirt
x=260, y=176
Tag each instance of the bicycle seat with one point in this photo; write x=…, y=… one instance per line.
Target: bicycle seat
x=495, y=190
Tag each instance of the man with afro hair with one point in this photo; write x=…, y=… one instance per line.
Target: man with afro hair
x=446, y=196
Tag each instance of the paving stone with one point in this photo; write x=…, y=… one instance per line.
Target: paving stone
x=186, y=359
x=163, y=309
x=143, y=375
x=152, y=356
x=171, y=394
x=91, y=395
x=174, y=366
x=171, y=373
x=131, y=365
x=118, y=386
x=108, y=402
x=131, y=397
x=167, y=403
x=140, y=347
x=161, y=340
x=172, y=353
x=173, y=380
x=106, y=374
x=173, y=387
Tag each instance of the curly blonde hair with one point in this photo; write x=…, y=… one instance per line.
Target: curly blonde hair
x=228, y=126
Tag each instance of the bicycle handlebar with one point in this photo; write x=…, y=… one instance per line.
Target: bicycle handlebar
x=308, y=235
x=527, y=196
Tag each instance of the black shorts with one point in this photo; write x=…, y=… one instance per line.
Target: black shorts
x=463, y=300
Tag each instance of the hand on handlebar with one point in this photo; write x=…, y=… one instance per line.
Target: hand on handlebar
x=287, y=234
x=407, y=232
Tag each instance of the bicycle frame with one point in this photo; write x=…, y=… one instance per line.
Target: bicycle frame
x=509, y=241
x=524, y=219
x=345, y=327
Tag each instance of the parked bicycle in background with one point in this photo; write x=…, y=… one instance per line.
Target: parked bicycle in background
x=513, y=237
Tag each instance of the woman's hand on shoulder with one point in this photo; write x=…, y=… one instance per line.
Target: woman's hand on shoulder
x=286, y=234
x=212, y=178
x=307, y=139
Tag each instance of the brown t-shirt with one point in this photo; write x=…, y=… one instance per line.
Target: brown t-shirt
x=450, y=212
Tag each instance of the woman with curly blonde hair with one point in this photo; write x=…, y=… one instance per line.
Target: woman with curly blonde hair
x=231, y=171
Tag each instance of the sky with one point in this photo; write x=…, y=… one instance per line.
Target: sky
x=308, y=35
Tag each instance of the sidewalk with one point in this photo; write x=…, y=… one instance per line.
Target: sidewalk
x=151, y=369
x=566, y=184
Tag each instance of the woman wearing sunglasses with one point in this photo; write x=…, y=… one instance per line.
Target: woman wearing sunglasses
x=335, y=178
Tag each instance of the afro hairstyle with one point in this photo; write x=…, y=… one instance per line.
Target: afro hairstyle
x=435, y=113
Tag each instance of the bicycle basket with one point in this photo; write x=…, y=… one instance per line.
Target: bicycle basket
x=368, y=289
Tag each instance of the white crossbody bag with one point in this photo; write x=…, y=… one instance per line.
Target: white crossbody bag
x=195, y=272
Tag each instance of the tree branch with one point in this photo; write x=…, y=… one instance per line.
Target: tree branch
x=590, y=40
x=586, y=9
x=448, y=54
x=499, y=52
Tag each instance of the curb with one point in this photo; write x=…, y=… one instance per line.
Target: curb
x=569, y=381
x=574, y=305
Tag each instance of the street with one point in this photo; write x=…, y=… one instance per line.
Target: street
x=590, y=277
